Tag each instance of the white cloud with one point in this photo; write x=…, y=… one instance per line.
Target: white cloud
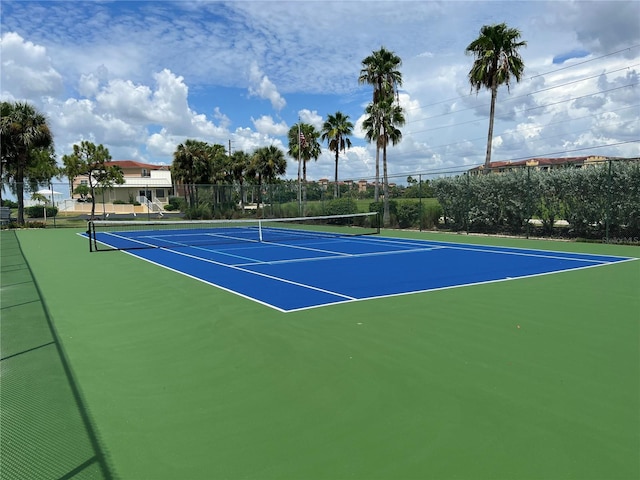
x=311, y=117
x=89, y=85
x=266, y=125
x=162, y=144
x=262, y=87
x=26, y=69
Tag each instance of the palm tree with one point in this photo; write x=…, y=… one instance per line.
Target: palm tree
x=267, y=163
x=191, y=166
x=220, y=173
x=380, y=69
x=372, y=126
x=335, y=130
x=240, y=163
x=303, y=146
x=382, y=126
x=496, y=60
x=23, y=132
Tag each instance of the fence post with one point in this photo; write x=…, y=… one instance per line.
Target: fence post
x=466, y=202
x=528, y=199
x=420, y=216
x=608, y=206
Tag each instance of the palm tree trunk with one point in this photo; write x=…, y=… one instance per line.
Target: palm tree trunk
x=335, y=185
x=259, y=194
x=376, y=194
x=304, y=187
x=385, y=186
x=492, y=112
x=1, y=180
x=20, y=191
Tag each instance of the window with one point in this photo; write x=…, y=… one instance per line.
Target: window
x=146, y=173
x=160, y=192
x=84, y=182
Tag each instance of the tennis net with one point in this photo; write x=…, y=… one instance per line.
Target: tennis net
x=129, y=235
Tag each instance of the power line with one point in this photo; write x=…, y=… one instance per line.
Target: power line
x=528, y=109
x=462, y=97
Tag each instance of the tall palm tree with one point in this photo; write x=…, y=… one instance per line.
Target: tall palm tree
x=267, y=163
x=496, y=60
x=380, y=69
x=335, y=130
x=372, y=126
x=23, y=131
x=389, y=116
x=304, y=147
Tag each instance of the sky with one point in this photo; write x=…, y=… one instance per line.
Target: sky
x=141, y=77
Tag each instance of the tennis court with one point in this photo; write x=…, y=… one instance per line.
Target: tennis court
x=205, y=361
x=291, y=268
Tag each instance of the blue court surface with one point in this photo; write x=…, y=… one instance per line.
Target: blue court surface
x=313, y=272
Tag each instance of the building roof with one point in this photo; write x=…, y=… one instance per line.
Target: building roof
x=538, y=161
x=133, y=164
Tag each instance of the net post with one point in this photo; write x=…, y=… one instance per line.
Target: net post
x=90, y=235
x=260, y=230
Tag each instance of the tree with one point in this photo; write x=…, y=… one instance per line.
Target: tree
x=303, y=146
x=380, y=69
x=26, y=147
x=192, y=166
x=496, y=60
x=93, y=161
x=335, y=130
x=220, y=172
x=372, y=126
x=267, y=163
x=391, y=117
x=240, y=164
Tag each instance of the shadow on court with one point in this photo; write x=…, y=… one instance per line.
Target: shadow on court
x=46, y=430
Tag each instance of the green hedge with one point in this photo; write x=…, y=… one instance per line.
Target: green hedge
x=589, y=199
x=37, y=211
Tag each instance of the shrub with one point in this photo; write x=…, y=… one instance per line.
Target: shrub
x=37, y=211
x=175, y=204
x=9, y=203
x=201, y=211
x=379, y=207
x=341, y=206
x=430, y=216
x=408, y=214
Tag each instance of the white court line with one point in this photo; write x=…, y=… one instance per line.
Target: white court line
x=271, y=277
x=498, y=250
x=194, y=277
x=123, y=238
x=484, y=282
x=339, y=256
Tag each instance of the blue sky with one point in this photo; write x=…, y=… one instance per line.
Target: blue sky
x=141, y=77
